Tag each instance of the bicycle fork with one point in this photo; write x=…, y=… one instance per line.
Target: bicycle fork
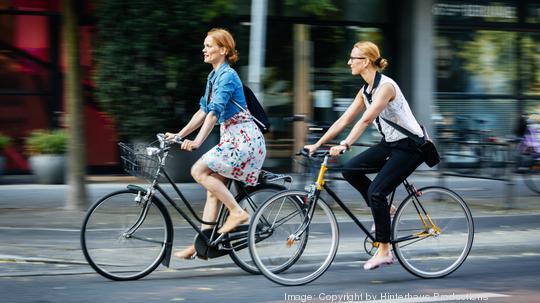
x=311, y=201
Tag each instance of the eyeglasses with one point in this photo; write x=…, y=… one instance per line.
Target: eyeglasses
x=352, y=58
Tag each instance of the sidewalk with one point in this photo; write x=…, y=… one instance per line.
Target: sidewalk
x=40, y=236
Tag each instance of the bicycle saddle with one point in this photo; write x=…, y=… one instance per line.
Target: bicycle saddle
x=269, y=177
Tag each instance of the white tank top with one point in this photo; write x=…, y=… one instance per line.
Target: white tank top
x=397, y=111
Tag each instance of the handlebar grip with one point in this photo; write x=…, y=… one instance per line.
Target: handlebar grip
x=176, y=139
x=317, y=154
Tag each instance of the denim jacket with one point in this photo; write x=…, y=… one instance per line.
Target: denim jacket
x=225, y=85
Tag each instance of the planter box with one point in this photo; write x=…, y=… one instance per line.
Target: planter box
x=49, y=169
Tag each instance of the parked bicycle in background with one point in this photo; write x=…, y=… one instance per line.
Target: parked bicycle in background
x=528, y=151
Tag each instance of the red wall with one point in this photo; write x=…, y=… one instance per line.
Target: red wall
x=21, y=114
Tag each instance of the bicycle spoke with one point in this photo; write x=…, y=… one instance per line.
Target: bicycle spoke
x=295, y=250
x=121, y=240
x=250, y=199
x=449, y=233
x=147, y=240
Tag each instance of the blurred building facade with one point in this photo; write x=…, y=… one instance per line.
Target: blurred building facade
x=463, y=66
x=31, y=80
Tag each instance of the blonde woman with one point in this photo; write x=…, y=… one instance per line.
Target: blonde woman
x=395, y=157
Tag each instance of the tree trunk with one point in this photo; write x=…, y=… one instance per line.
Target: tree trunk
x=76, y=197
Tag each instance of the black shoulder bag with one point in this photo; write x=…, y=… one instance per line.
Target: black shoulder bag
x=255, y=109
x=426, y=147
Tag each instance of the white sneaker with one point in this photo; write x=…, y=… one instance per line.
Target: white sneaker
x=392, y=212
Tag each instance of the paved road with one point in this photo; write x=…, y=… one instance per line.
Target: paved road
x=40, y=258
x=502, y=267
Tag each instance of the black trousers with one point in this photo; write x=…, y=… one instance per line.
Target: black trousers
x=394, y=162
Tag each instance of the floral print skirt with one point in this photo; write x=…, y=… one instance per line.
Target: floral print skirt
x=240, y=152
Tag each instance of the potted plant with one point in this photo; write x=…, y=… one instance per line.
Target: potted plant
x=47, y=155
x=4, y=141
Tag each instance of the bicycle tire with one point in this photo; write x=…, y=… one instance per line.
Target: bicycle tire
x=430, y=253
x=257, y=196
x=287, y=261
x=105, y=245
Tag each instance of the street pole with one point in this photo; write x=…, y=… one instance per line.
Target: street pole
x=257, y=41
x=76, y=196
x=302, y=101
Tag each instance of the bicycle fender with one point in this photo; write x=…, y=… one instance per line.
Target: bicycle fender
x=136, y=188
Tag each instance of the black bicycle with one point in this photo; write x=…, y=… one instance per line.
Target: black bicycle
x=294, y=235
x=128, y=233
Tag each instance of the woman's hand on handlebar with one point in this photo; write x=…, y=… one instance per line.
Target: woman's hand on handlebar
x=189, y=145
x=311, y=148
x=173, y=138
x=337, y=150
x=170, y=136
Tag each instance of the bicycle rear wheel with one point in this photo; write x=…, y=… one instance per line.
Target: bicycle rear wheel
x=255, y=197
x=432, y=251
x=123, y=239
x=284, y=250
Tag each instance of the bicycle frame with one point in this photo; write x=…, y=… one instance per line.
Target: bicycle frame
x=149, y=192
x=320, y=185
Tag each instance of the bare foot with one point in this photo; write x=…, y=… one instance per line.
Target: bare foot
x=379, y=260
x=233, y=221
x=187, y=254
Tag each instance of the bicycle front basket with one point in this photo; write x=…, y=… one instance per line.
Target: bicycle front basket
x=137, y=163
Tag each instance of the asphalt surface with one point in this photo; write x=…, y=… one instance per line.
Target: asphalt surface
x=39, y=236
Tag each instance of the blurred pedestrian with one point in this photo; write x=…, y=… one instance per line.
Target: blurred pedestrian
x=395, y=157
x=241, y=149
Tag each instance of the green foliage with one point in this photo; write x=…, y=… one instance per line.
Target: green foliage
x=4, y=141
x=46, y=142
x=487, y=56
x=316, y=7
x=530, y=63
x=150, y=72
x=149, y=68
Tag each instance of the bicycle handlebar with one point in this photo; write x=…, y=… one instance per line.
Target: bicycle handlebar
x=164, y=144
x=316, y=154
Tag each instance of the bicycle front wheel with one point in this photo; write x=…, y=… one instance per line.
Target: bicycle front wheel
x=255, y=197
x=290, y=243
x=432, y=232
x=123, y=238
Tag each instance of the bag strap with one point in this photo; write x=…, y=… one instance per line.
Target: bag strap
x=415, y=138
x=369, y=95
x=239, y=106
x=418, y=140
x=247, y=112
